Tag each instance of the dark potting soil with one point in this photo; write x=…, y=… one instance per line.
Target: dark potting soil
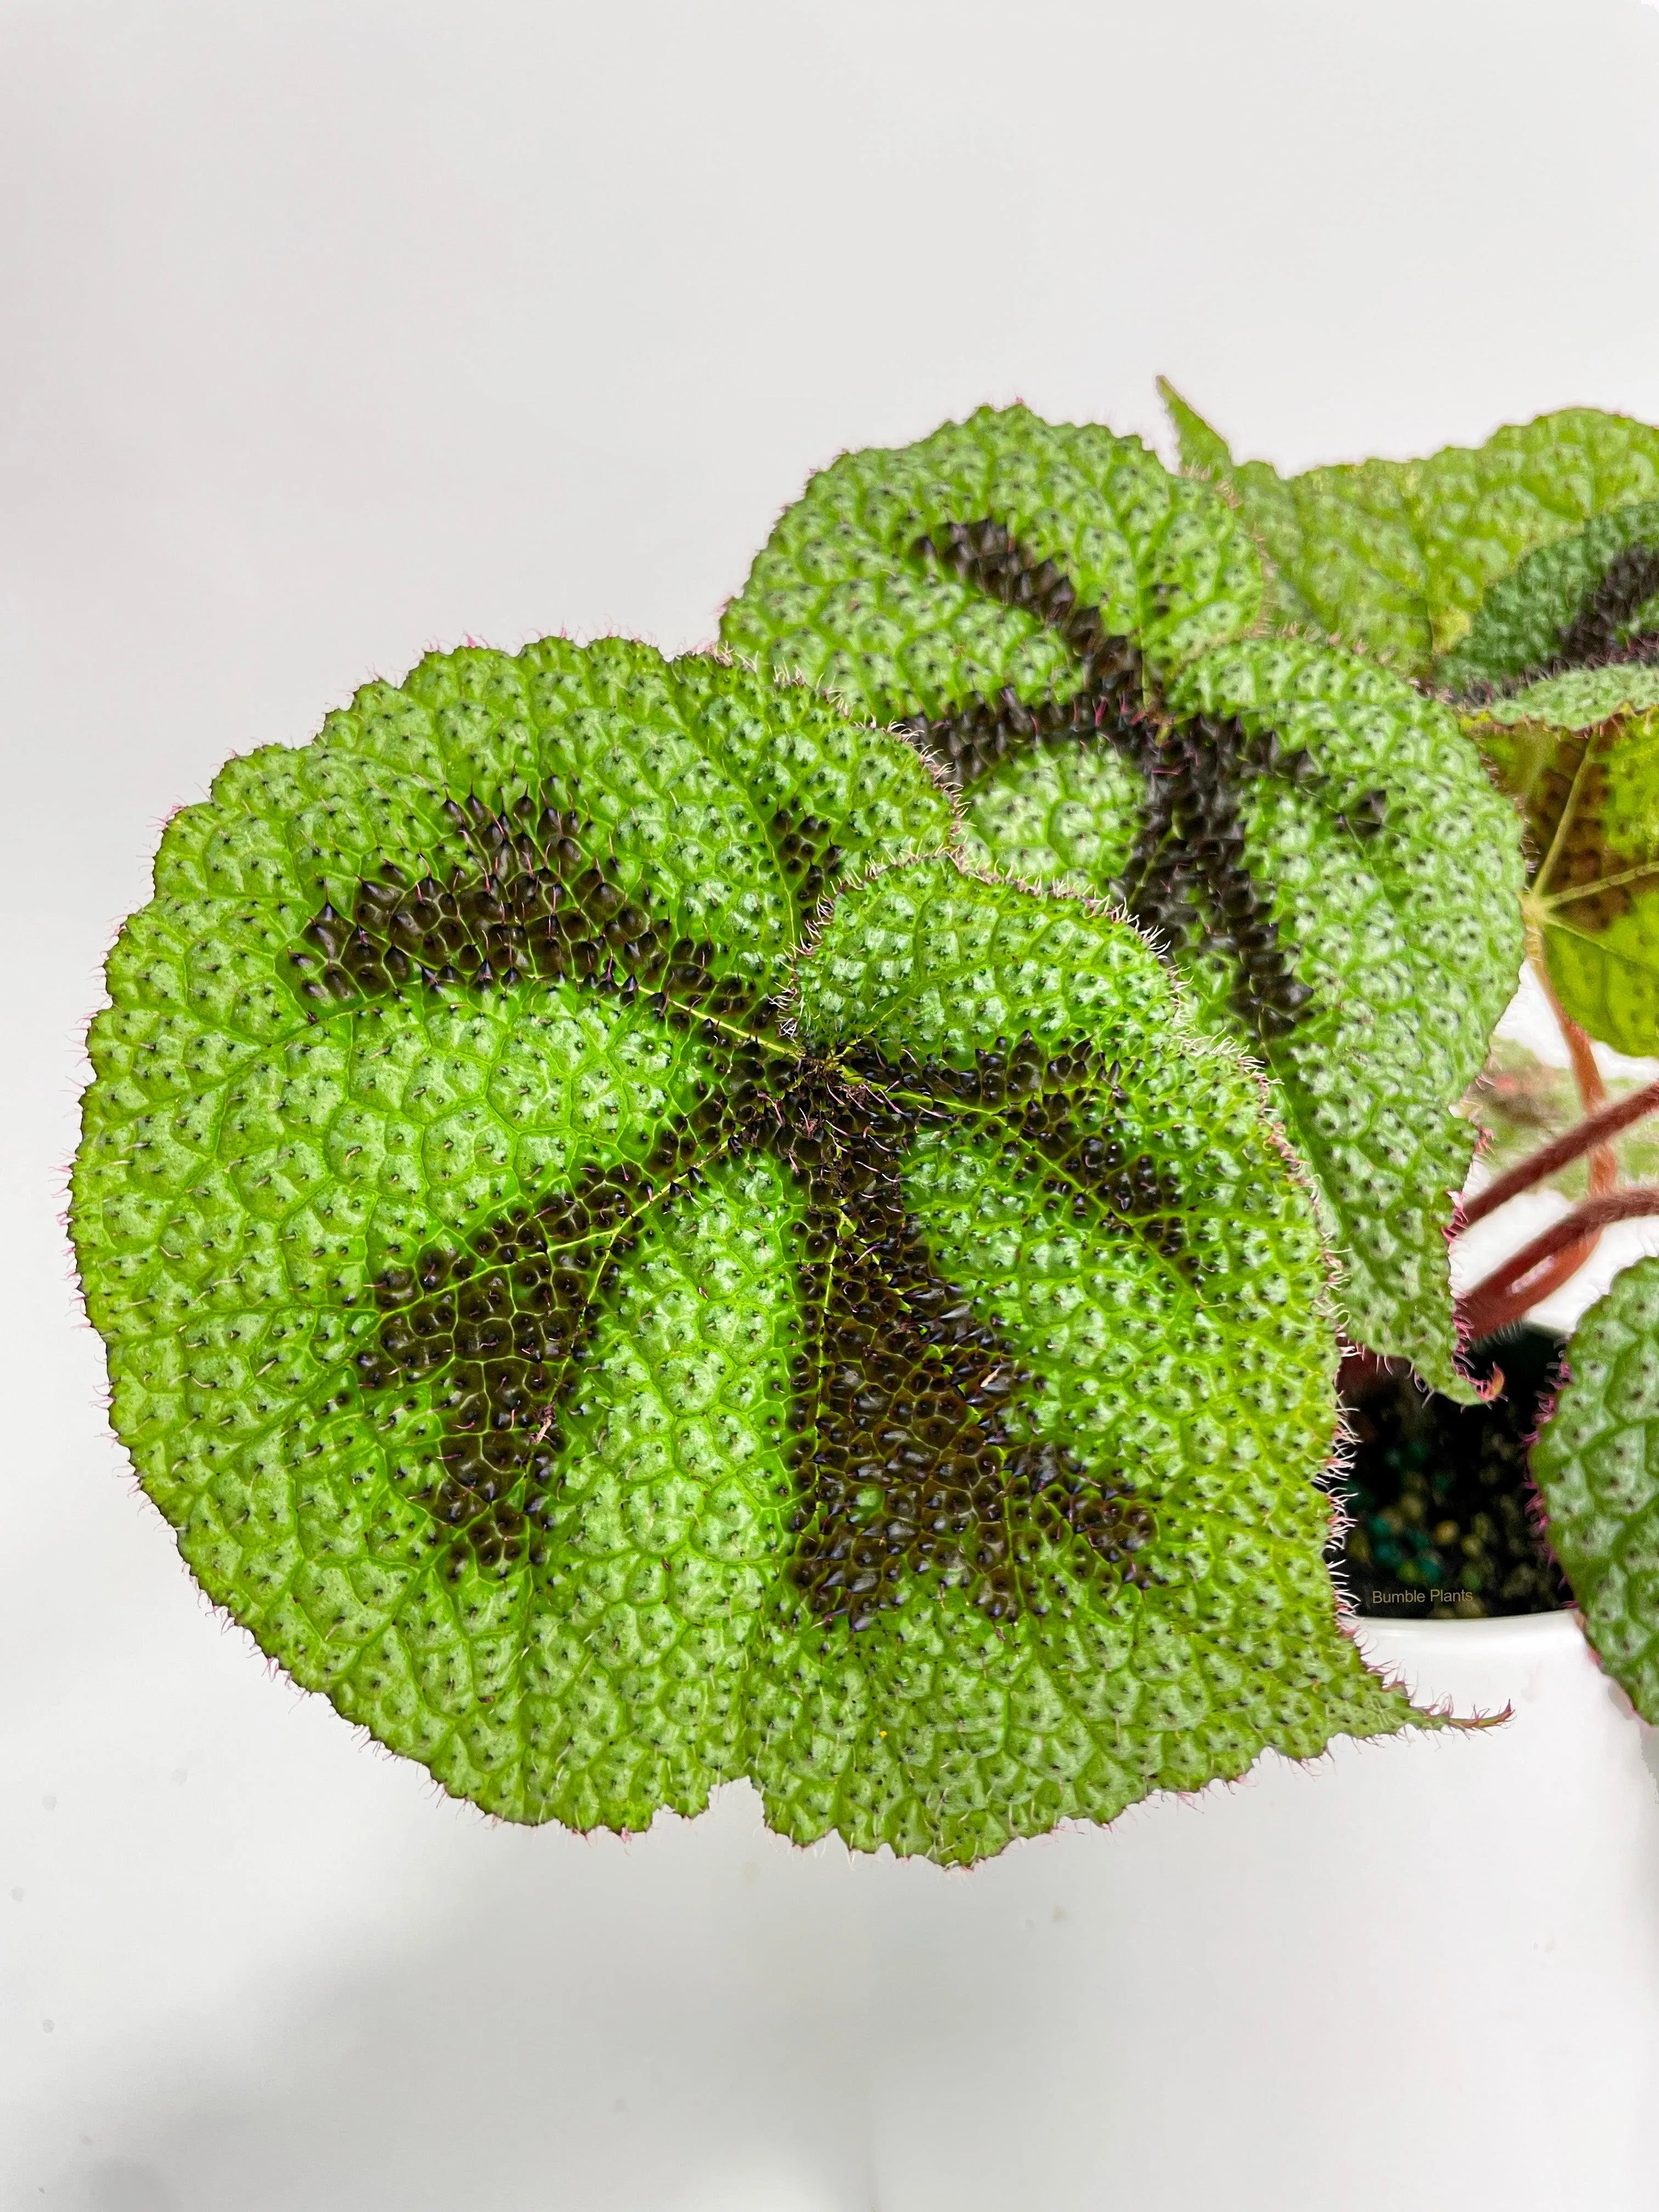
x=1443, y=1509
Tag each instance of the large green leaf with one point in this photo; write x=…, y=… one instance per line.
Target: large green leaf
x=1561, y=663
x=1395, y=558
x=609, y=1351
x=1063, y=627
x=1596, y=1464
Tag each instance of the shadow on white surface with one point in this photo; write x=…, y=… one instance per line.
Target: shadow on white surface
x=669, y=2024
x=1449, y=1943
x=116, y=2184
x=1417, y=1971
x=760, y=2184
x=251, y=1962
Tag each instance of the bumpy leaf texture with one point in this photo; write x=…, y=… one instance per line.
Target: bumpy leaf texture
x=1561, y=667
x=1586, y=603
x=1575, y=699
x=1596, y=1465
x=1591, y=798
x=1395, y=558
x=609, y=1349
x=1064, y=629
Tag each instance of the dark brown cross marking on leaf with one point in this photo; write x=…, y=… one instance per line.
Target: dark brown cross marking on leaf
x=1567, y=807
x=1188, y=878
x=1597, y=636
x=902, y=1390
x=1567, y=811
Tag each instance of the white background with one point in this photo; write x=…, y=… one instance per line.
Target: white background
x=330, y=332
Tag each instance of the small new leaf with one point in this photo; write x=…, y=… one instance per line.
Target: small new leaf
x=610, y=1349
x=1596, y=1465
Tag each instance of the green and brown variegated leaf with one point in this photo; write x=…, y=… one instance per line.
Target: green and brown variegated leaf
x=1582, y=604
x=1067, y=630
x=1591, y=797
x=1396, y=558
x=1559, y=675
x=610, y=1349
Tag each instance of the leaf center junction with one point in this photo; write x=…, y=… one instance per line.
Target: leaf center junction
x=904, y=1435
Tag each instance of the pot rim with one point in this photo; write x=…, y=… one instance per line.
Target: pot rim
x=1518, y=1629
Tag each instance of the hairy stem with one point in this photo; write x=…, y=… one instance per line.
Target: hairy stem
x=1592, y=1092
x=1505, y=1295
x=1490, y=1307
x=1603, y=1164
x=1493, y=1302
x=1596, y=1130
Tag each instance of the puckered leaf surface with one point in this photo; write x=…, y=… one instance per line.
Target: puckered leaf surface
x=1576, y=699
x=840, y=587
x=1591, y=796
x=1584, y=601
x=1063, y=628
x=1395, y=558
x=1561, y=666
x=1597, y=1466
x=610, y=1351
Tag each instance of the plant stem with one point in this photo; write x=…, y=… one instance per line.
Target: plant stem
x=1560, y=1153
x=1505, y=1295
x=1491, y=1306
x=1592, y=1092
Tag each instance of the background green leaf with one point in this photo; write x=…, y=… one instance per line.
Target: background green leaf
x=1394, y=558
x=837, y=595
x=1577, y=699
x=1411, y=937
x=1525, y=620
x=1591, y=797
x=1376, y=850
x=1596, y=1464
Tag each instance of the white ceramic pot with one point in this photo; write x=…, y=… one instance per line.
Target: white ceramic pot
x=1421, y=1970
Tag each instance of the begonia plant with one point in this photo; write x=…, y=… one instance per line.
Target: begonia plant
x=793, y=1213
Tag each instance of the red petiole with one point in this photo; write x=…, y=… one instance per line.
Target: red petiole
x=1506, y=1293
x=1549, y=1159
x=1540, y=1268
